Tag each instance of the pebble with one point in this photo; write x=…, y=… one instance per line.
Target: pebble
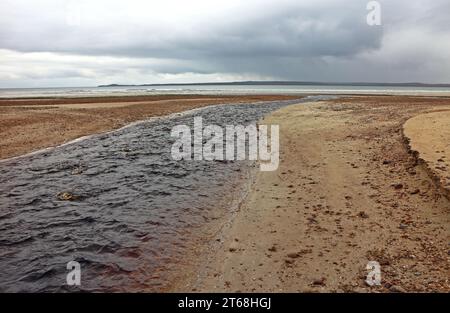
x=293, y=255
x=66, y=196
x=319, y=282
x=398, y=289
x=363, y=214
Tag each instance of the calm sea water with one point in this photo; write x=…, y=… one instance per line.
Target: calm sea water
x=217, y=90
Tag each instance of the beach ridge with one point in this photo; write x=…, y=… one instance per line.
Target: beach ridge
x=427, y=137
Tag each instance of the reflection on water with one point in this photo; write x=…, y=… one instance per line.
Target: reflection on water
x=135, y=211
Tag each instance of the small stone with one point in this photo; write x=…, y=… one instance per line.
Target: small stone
x=66, y=196
x=319, y=282
x=77, y=171
x=289, y=261
x=363, y=214
x=397, y=289
x=293, y=255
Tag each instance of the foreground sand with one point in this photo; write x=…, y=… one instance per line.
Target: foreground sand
x=347, y=191
x=31, y=124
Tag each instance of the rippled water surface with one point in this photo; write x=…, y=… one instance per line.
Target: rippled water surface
x=135, y=214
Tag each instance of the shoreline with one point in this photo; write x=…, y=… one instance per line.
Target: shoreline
x=230, y=93
x=32, y=125
x=131, y=124
x=348, y=191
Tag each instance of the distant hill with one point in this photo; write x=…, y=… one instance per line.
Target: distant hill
x=286, y=83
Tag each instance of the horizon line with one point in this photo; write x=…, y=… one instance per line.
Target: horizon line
x=287, y=82
x=257, y=83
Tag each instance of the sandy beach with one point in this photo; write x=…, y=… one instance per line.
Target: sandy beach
x=361, y=178
x=31, y=124
x=349, y=190
x=236, y=155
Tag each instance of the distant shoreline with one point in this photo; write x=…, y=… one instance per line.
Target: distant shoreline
x=285, y=83
x=133, y=91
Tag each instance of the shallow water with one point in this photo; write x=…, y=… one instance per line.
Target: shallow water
x=136, y=214
x=219, y=90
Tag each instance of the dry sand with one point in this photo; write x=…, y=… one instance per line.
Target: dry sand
x=32, y=124
x=348, y=191
x=429, y=137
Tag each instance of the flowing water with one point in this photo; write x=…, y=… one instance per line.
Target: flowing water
x=135, y=212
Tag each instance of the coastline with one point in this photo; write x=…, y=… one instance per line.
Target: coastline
x=347, y=192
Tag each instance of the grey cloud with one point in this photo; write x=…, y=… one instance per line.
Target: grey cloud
x=292, y=30
x=323, y=40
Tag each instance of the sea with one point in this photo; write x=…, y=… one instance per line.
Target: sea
x=218, y=90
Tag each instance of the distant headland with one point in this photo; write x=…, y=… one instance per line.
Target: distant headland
x=284, y=83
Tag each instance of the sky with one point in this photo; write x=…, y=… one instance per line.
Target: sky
x=58, y=43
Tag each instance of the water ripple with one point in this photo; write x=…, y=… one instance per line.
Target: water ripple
x=133, y=209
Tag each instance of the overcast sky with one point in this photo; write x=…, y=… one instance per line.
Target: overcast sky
x=91, y=42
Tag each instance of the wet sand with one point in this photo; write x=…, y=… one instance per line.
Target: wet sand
x=27, y=125
x=348, y=191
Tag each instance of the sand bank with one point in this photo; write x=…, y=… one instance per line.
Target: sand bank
x=347, y=192
x=429, y=136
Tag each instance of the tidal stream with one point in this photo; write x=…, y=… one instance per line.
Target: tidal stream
x=130, y=213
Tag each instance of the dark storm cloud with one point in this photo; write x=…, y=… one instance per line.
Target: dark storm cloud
x=292, y=30
x=287, y=39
